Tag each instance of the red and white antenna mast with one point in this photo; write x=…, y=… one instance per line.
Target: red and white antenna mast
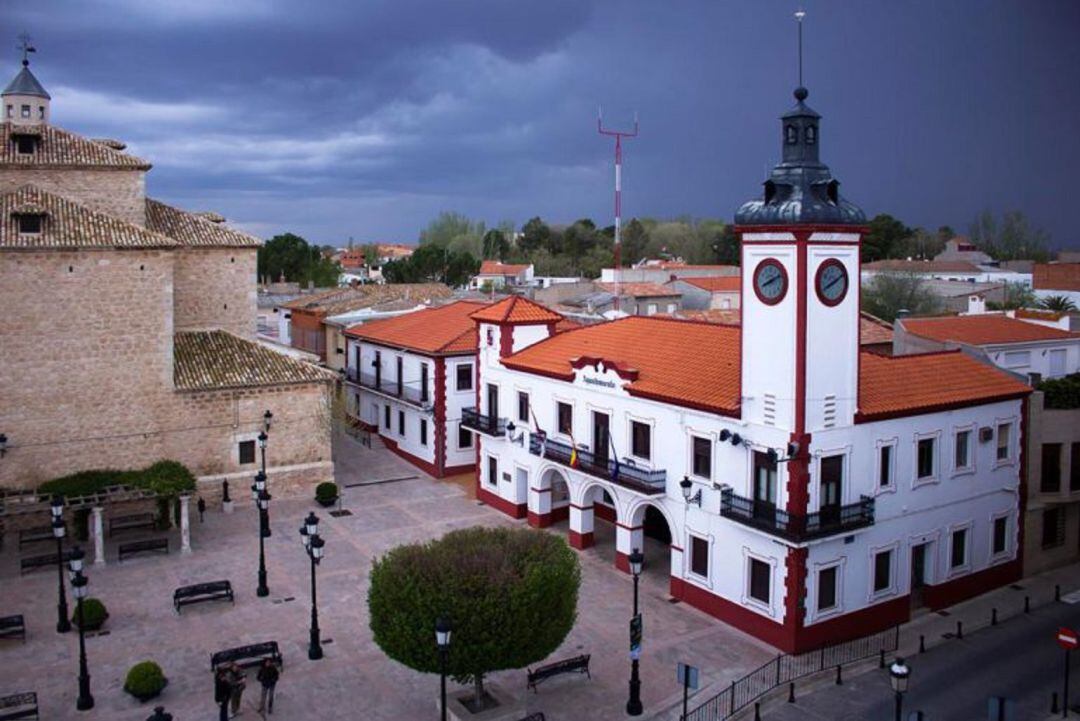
x=618, y=135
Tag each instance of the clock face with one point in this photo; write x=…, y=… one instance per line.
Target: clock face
x=831, y=282
x=770, y=281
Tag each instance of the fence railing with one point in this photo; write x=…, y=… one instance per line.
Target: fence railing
x=786, y=668
x=410, y=391
x=477, y=421
x=767, y=517
x=648, y=481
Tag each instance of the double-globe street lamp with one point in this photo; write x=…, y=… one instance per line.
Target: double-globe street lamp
x=899, y=673
x=63, y=624
x=309, y=534
x=442, y=642
x=79, y=582
x=633, y=705
x=262, y=502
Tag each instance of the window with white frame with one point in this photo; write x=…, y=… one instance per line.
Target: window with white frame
x=1017, y=359
x=464, y=377
x=962, y=450
x=827, y=587
x=760, y=580
x=925, y=461
x=883, y=562
x=958, y=548
x=464, y=437
x=699, y=556
x=999, y=539
x=640, y=440
x=401, y=423
x=1004, y=438
x=423, y=431
x=565, y=415
x=493, y=471
x=523, y=406
x=886, y=459
x=701, y=461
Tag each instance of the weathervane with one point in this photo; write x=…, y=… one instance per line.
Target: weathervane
x=799, y=15
x=26, y=48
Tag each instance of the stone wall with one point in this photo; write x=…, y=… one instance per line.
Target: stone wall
x=215, y=288
x=117, y=192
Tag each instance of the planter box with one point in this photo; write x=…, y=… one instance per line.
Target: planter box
x=507, y=710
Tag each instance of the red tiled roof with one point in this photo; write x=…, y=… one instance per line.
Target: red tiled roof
x=871, y=330
x=913, y=384
x=987, y=329
x=1056, y=276
x=494, y=267
x=923, y=266
x=448, y=329
x=728, y=316
x=716, y=283
x=658, y=349
x=874, y=330
x=639, y=290
x=517, y=309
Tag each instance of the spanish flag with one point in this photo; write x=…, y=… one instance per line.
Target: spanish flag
x=573, y=452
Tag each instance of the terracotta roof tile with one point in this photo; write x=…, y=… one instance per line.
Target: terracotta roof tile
x=922, y=266
x=725, y=316
x=517, y=309
x=59, y=148
x=665, y=352
x=639, y=290
x=913, y=384
x=716, y=283
x=344, y=300
x=873, y=330
x=986, y=329
x=216, y=360
x=194, y=230
x=494, y=267
x=448, y=329
x=69, y=225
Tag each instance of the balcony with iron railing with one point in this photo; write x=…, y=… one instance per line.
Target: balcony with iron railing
x=623, y=473
x=474, y=420
x=765, y=516
x=412, y=392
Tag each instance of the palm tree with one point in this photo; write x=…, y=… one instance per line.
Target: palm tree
x=1059, y=303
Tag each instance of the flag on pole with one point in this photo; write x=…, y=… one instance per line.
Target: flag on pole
x=573, y=453
x=539, y=432
x=614, y=460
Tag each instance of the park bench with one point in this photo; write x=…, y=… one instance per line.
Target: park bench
x=147, y=546
x=246, y=656
x=127, y=523
x=12, y=626
x=35, y=535
x=543, y=673
x=32, y=563
x=19, y=706
x=535, y=716
x=199, y=592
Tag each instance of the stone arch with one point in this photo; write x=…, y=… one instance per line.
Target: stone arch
x=549, y=499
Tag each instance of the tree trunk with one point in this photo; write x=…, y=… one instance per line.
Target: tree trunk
x=478, y=686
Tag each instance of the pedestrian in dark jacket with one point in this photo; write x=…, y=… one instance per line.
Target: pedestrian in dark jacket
x=268, y=677
x=222, y=693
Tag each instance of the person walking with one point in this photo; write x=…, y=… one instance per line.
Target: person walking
x=237, y=683
x=268, y=677
x=201, y=505
x=222, y=693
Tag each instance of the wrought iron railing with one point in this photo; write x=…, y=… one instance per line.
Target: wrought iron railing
x=406, y=391
x=650, y=482
x=765, y=516
x=785, y=668
x=477, y=421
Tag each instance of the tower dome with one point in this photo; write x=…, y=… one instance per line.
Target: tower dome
x=25, y=101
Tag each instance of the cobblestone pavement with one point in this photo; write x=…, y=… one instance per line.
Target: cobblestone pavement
x=355, y=680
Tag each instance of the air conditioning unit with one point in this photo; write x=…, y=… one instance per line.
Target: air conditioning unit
x=986, y=434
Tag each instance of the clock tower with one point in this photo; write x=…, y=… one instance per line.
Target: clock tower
x=800, y=289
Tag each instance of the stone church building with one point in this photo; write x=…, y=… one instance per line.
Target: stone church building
x=127, y=326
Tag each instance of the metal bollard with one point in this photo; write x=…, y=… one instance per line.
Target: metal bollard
x=922, y=644
x=959, y=629
x=1053, y=702
x=1027, y=604
x=993, y=616
x=791, y=693
x=757, y=711
x=839, y=678
x=881, y=659
x=1057, y=592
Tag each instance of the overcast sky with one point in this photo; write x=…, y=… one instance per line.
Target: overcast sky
x=366, y=118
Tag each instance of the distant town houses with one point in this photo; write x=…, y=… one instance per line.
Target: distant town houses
x=1057, y=279
x=498, y=275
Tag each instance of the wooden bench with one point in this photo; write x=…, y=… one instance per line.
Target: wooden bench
x=535, y=716
x=543, y=673
x=127, y=523
x=32, y=563
x=12, y=626
x=247, y=656
x=147, y=546
x=19, y=706
x=35, y=535
x=199, y=592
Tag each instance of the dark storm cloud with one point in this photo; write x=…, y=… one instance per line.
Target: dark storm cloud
x=337, y=119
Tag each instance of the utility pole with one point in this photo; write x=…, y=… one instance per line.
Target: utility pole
x=618, y=135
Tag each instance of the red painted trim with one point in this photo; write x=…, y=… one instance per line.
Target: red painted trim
x=795, y=593
x=458, y=470
x=540, y=490
x=439, y=414
x=606, y=513
x=808, y=229
x=770, y=263
x=629, y=528
x=514, y=510
x=539, y=520
x=972, y=584
x=622, y=561
x=729, y=412
x=581, y=541
x=427, y=354
x=1021, y=503
x=581, y=508
x=731, y=613
x=831, y=263
x=800, y=336
x=425, y=466
x=562, y=513
x=865, y=621
x=827, y=243
x=506, y=340
x=629, y=374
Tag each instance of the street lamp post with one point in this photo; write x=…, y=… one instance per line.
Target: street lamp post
x=899, y=674
x=309, y=534
x=63, y=623
x=265, y=518
x=633, y=705
x=262, y=500
x=442, y=642
x=78, y=589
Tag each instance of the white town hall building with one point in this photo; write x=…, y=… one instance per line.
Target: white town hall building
x=809, y=492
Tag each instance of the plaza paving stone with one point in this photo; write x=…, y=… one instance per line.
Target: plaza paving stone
x=355, y=680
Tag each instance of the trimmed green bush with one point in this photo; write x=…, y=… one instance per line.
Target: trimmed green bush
x=94, y=613
x=510, y=596
x=145, y=680
x=326, y=493
x=166, y=478
x=1062, y=393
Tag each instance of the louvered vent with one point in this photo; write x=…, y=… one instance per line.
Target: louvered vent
x=769, y=410
x=830, y=411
